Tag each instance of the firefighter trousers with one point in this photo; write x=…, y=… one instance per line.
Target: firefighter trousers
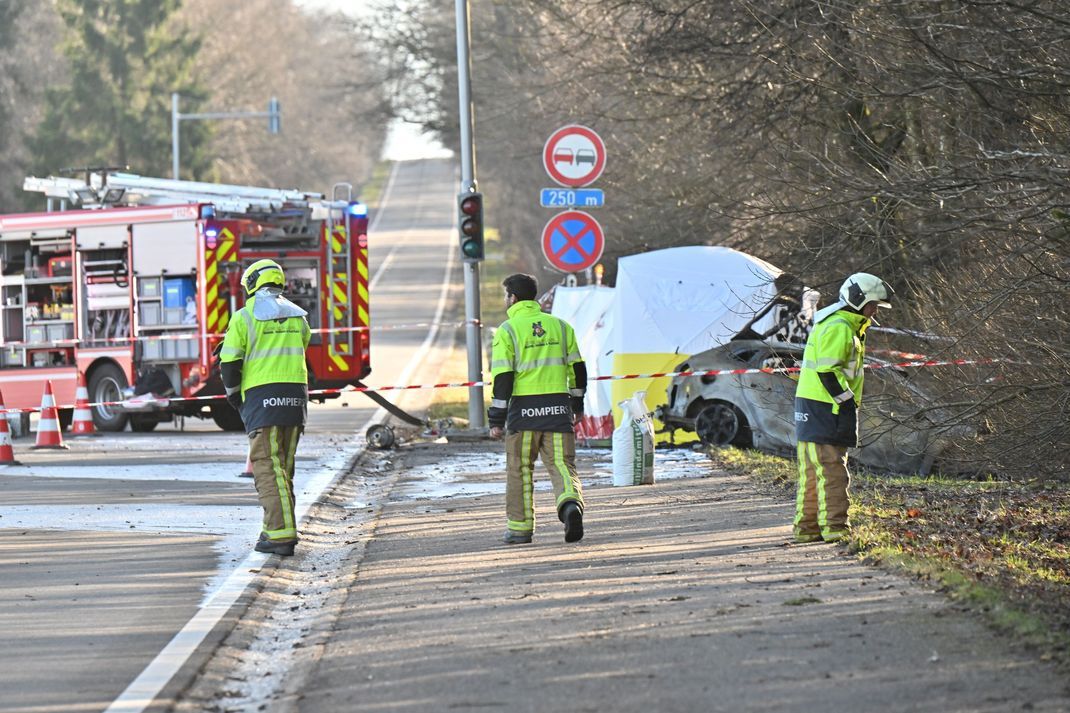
x=558, y=454
x=821, y=501
x=271, y=452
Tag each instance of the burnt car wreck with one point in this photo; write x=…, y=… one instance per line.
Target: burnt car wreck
x=756, y=410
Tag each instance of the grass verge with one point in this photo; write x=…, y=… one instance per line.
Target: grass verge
x=999, y=548
x=372, y=190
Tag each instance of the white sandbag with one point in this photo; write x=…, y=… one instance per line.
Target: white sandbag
x=633, y=444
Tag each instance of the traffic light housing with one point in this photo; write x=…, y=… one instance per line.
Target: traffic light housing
x=470, y=226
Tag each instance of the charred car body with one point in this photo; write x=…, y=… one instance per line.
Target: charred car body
x=757, y=409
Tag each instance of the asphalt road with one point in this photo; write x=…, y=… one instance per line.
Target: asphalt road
x=109, y=549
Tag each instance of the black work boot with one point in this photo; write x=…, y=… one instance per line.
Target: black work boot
x=572, y=515
x=283, y=548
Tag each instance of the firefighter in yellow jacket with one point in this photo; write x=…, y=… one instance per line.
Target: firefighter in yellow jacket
x=263, y=368
x=826, y=407
x=539, y=383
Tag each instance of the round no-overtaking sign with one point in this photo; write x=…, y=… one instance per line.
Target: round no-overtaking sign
x=574, y=156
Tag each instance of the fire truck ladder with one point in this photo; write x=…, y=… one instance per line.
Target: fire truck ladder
x=339, y=259
x=127, y=189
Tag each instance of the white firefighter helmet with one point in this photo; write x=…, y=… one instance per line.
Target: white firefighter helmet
x=261, y=273
x=861, y=288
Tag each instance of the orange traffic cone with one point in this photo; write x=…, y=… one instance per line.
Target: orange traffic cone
x=248, y=473
x=48, y=435
x=82, y=424
x=7, y=453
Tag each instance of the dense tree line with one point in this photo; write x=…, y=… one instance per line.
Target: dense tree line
x=123, y=61
x=89, y=82
x=923, y=140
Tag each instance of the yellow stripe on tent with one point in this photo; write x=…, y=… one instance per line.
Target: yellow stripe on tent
x=657, y=390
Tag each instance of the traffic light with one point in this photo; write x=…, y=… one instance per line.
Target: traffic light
x=470, y=206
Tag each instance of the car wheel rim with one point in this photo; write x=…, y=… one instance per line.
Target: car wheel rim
x=717, y=425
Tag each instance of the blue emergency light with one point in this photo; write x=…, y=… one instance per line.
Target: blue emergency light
x=357, y=209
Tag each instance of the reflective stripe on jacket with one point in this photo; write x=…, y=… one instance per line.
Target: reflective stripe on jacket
x=271, y=352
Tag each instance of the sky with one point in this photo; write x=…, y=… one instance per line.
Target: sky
x=405, y=142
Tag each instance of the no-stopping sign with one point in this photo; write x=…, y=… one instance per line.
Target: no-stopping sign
x=574, y=156
x=572, y=241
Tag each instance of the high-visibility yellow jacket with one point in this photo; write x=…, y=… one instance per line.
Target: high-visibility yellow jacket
x=836, y=346
x=540, y=351
x=274, y=377
x=272, y=352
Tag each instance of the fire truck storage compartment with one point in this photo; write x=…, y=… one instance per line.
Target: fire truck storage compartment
x=36, y=298
x=102, y=237
x=166, y=301
x=105, y=274
x=49, y=357
x=170, y=349
x=165, y=248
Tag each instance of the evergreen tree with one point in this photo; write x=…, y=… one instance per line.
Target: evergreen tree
x=9, y=10
x=126, y=57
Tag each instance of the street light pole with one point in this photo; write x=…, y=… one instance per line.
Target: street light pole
x=473, y=328
x=272, y=114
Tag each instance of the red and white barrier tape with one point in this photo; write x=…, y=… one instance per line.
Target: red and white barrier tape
x=656, y=375
x=216, y=335
x=901, y=355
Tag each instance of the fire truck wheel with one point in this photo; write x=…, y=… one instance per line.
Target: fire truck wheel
x=226, y=417
x=106, y=384
x=380, y=437
x=66, y=417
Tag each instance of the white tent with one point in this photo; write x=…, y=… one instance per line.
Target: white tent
x=667, y=305
x=673, y=303
x=689, y=299
x=587, y=309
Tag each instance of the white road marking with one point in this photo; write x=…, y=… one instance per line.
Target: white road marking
x=143, y=690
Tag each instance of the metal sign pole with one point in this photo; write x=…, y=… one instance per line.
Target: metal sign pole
x=273, y=115
x=473, y=328
x=174, y=135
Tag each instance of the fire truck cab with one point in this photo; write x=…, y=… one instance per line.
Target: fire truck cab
x=135, y=285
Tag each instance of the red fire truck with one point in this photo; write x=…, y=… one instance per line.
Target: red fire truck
x=133, y=280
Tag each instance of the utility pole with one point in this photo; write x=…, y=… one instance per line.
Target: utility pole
x=473, y=328
x=272, y=115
